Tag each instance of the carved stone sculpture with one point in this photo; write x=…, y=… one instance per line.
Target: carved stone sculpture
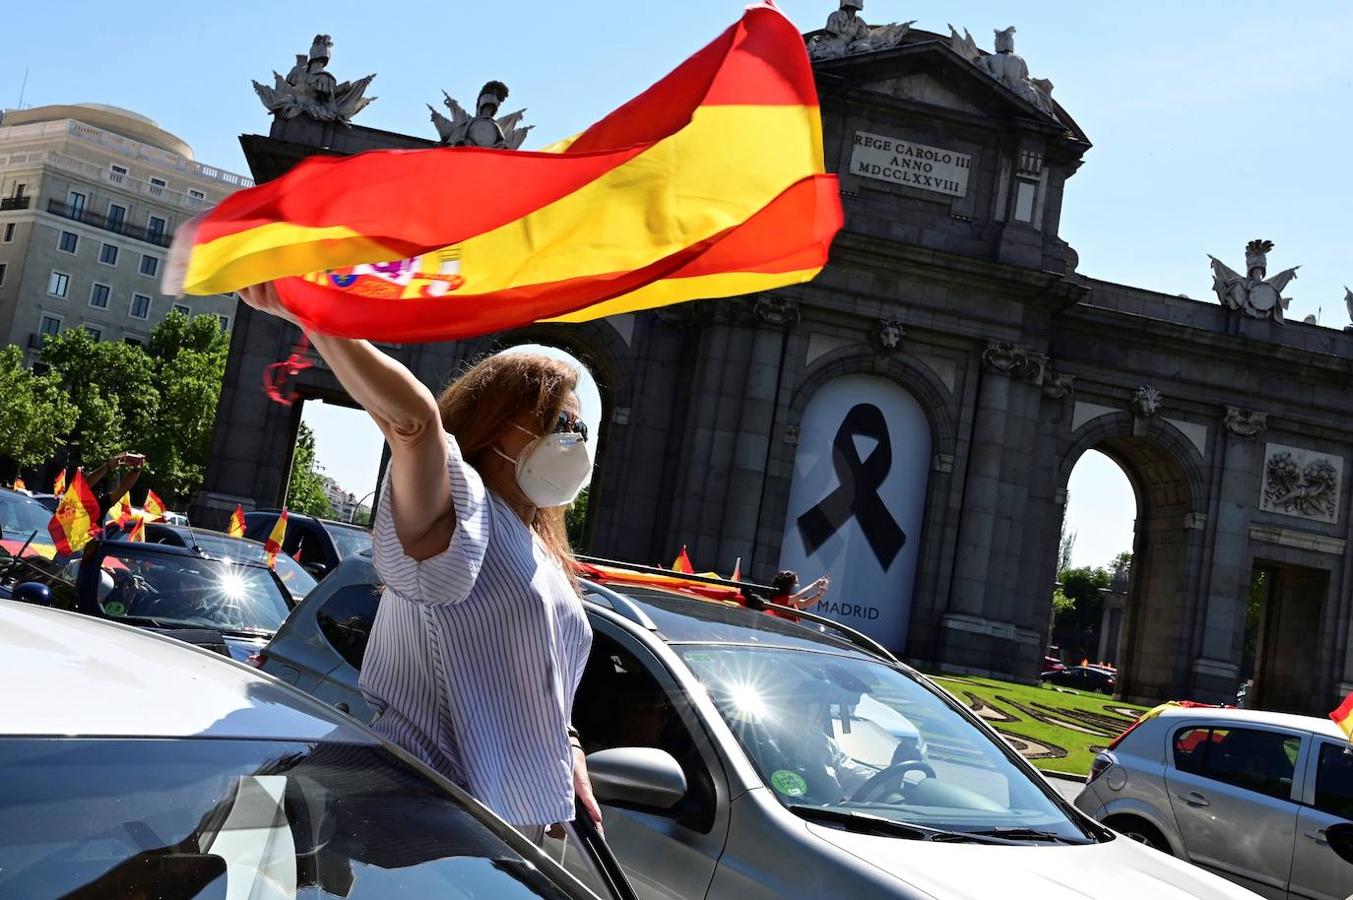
x=1146, y=402
x=1057, y=385
x=1014, y=360
x=1005, y=66
x=481, y=129
x=1251, y=293
x=310, y=89
x=1348, y=304
x=887, y=334
x=1245, y=423
x=1301, y=483
x=846, y=34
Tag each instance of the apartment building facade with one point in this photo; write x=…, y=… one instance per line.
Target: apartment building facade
x=90, y=196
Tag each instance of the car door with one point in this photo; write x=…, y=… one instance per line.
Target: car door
x=1317, y=872
x=1231, y=790
x=627, y=698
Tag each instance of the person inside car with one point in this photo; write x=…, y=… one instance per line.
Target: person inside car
x=481, y=639
x=787, y=593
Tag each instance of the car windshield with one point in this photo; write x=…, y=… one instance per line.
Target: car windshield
x=349, y=539
x=20, y=516
x=225, y=818
x=295, y=579
x=183, y=590
x=849, y=735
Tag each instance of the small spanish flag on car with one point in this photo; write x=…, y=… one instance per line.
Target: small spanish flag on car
x=120, y=513
x=59, y=485
x=273, y=545
x=77, y=517
x=138, y=532
x=711, y=183
x=236, y=526
x=683, y=562
x=1343, y=717
x=155, y=508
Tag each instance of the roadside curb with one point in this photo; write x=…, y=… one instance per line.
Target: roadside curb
x=1063, y=776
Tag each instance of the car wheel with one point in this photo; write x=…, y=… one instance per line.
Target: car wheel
x=1141, y=831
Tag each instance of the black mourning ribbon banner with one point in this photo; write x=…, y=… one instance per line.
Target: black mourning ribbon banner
x=858, y=495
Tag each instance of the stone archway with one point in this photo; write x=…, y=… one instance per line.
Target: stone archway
x=1165, y=471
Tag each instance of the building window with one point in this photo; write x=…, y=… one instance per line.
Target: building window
x=59, y=284
x=225, y=322
x=140, y=307
x=98, y=295
x=3, y=268
x=76, y=201
x=108, y=254
x=116, y=216
x=95, y=333
x=19, y=190
x=118, y=173
x=182, y=310
x=9, y=232
x=1025, y=191
x=133, y=342
x=155, y=228
x=157, y=186
x=68, y=241
x=51, y=325
x=150, y=265
x=196, y=194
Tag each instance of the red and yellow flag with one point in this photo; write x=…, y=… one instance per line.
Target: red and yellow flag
x=155, y=508
x=1343, y=717
x=77, y=517
x=19, y=483
x=138, y=532
x=121, y=511
x=683, y=562
x=708, y=184
x=273, y=545
x=59, y=484
x=236, y=526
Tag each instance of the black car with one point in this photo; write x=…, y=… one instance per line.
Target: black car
x=322, y=543
x=295, y=578
x=230, y=605
x=1085, y=678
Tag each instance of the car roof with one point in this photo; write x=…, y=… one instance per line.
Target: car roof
x=681, y=619
x=291, y=514
x=188, y=531
x=67, y=674
x=1239, y=717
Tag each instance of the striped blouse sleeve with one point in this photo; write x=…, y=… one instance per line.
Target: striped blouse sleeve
x=447, y=577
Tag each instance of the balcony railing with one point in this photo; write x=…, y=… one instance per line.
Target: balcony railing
x=98, y=220
x=9, y=203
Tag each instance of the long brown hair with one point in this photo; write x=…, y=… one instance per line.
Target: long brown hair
x=478, y=407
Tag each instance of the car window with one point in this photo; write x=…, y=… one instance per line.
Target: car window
x=620, y=703
x=350, y=541
x=851, y=735
x=345, y=620
x=220, y=818
x=22, y=517
x=1251, y=758
x=1334, y=780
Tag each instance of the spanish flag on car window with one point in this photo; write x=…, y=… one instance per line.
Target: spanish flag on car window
x=236, y=526
x=273, y=545
x=155, y=508
x=77, y=517
x=708, y=184
x=1343, y=716
x=120, y=513
x=59, y=484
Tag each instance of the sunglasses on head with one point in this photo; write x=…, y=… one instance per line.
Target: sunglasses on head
x=570, y=424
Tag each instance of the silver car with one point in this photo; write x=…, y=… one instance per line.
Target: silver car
x=135, y=765
x=1247, y=794
x=739, y=756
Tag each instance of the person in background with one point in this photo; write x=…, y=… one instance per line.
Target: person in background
x=116, y=490
x=787, y=593
x=481, y=637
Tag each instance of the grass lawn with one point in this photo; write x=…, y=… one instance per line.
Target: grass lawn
x=1055, y=728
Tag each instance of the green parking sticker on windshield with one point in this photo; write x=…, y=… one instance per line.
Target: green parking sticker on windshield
x=791, y=784
x=115, y=608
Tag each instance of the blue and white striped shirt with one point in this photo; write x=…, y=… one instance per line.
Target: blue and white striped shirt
x=475, y=655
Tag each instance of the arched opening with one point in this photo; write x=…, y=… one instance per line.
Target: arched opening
x=336, y=462
x=1094, y=561
x=1150, y=638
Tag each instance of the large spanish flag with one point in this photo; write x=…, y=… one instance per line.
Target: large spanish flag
x=77, y=517
x=708, y=184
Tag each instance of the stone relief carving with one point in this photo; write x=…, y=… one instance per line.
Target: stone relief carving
x=1301, y=483
x=1348, y=304
x=847, y=34
x=1005, y=66
x=792, y=435
x=1245, y=423
x=776, y=312
x=1057, y=385
x=1146, y=402
x=1014, y=360
x=481, y=129
x=887, y=334
x=309, y=88
x=1252, y=293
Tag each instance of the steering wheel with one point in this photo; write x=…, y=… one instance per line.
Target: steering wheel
x=889, y=779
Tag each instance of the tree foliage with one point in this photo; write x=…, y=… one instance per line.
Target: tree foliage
x=1078, y=611
x=34, y=412
x=305, y=490
x=575, y=520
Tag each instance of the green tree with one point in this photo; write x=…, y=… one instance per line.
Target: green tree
x=575, y=519
x=35, y=413
x=305, y=491
x=1076, y=623
x=190, y=360
x=113, y=388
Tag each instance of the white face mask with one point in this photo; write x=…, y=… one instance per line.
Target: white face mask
x=552, y=469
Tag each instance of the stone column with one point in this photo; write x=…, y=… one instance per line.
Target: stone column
x=1216, y=668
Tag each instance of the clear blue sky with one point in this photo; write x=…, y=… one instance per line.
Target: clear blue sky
x=1214, y=121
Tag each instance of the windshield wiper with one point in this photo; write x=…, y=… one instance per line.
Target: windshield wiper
x=1030, y=834
x=867, y=824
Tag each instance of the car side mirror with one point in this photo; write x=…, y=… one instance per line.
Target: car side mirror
x=1340, y=837
x=319, y=570
x=636, y=776
x=34, y=592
